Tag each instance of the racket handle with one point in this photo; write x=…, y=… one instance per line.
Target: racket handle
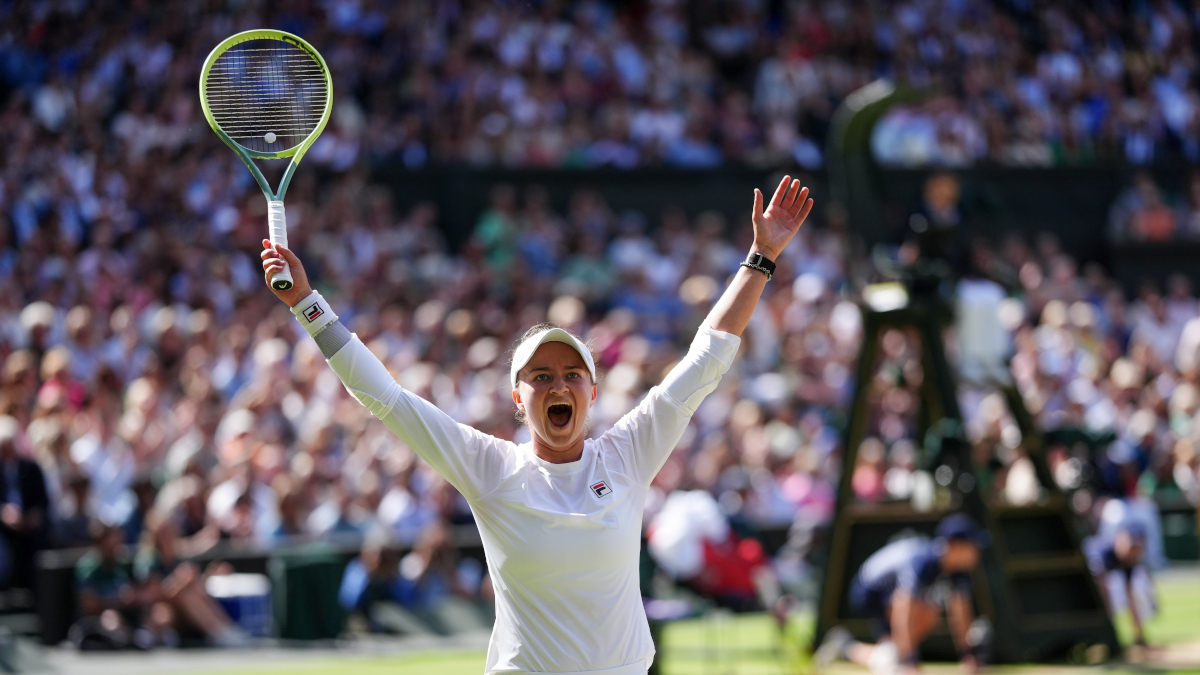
x=277, y=228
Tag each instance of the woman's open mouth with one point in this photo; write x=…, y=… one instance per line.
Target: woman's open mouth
x=559, y=415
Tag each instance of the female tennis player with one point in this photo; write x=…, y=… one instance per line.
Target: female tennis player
x=560, y=516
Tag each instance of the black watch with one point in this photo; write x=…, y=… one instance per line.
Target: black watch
x=756, y=261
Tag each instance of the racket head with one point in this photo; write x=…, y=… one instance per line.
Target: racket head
x=267, y=93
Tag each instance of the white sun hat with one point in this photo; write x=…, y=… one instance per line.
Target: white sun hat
x=528, y=347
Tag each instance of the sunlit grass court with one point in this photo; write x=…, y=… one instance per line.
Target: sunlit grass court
x=750, y=645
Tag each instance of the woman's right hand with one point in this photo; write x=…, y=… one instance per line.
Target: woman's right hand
x=273, y=258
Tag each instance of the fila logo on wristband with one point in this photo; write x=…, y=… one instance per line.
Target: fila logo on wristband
x=601, y=489
x=314, y=313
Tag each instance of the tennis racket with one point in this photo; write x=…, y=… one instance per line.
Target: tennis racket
x=268, y=95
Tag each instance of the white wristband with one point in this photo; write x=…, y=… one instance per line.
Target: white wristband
x=314, y=313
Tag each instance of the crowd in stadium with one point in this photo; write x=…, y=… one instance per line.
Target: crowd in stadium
x=1120, y=375
x=152, y=378
x=697, y=84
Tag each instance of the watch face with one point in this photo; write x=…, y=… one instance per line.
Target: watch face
x=758, y=259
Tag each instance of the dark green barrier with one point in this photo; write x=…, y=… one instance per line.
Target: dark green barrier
x=1180, y=541
x=305, y=594
x=310, y=573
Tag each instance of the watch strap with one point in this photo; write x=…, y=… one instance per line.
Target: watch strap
x=756, y=261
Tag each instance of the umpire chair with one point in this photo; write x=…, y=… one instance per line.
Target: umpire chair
x=1033, y=583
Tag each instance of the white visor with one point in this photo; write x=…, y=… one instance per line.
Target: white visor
x=528, y=347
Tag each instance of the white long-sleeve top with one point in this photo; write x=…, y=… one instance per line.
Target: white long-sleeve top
x=562, y=540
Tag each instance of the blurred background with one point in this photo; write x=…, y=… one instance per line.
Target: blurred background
x=183, y=470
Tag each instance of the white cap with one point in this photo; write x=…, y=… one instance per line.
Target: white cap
x=528, y=347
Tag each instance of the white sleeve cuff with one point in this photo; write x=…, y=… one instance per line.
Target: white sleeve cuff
x=314, y=313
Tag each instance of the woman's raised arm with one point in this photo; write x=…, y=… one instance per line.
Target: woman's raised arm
x=647, y=434
x=472, y=461
x=774, y=227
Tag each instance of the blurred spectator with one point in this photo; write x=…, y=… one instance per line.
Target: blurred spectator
x=934, y=228
x=1154, y=328
x=1189, y=211
x=108, y=603
x=171, y=591
x=110, y=465
x=444, y=587
x=1180, y=303
x=372, y=579
x=1185, y=471
x=24, y=516
x=73, y=513
x=1141, y=213
x=691, y=540
x=429, y=590
x=496, y=232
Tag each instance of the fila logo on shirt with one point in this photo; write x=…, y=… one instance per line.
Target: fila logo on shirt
x=601, y=489
x=313, y=311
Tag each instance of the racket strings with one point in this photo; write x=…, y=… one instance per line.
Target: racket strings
x=267, y=95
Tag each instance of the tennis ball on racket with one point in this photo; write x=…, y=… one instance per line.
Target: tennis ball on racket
x=269, y=137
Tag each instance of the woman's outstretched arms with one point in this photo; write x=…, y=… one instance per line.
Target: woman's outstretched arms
x=774, y=227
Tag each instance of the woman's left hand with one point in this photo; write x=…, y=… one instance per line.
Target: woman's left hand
x=775, y=227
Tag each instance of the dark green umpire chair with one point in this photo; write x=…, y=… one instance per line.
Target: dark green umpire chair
x=1033, y=583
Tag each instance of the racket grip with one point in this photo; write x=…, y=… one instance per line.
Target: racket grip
x=277, y=229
